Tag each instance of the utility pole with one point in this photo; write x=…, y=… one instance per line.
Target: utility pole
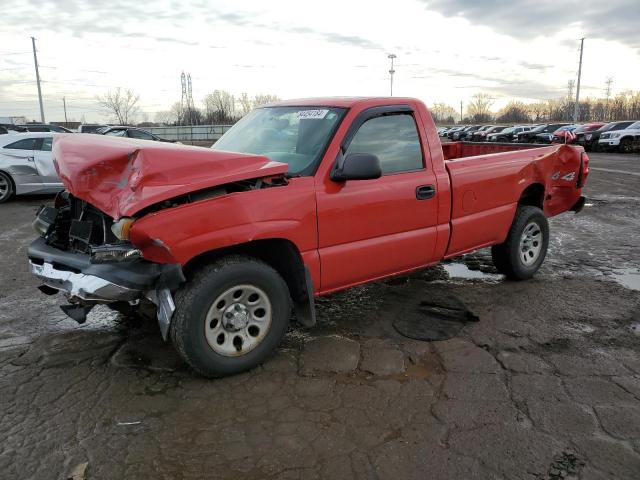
x=461, y=112
x=391, y=56
x=183, y=100
x=606, y=112
x=35, y=61
x=577, y=106
x=64, y=103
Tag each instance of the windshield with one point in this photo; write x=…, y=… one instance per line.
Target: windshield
x=296, y=136
x=634, y=125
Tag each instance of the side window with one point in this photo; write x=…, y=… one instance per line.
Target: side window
x=394, y=139
x=116, y=133
x=140, y=134
x=46, y=144
x=24, y=144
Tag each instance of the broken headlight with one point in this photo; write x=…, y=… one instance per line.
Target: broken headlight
x=121, y=228
x=114, y=253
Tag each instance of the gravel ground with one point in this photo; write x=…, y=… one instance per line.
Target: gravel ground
x=546, y=385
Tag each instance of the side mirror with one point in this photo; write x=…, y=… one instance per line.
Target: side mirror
x=356, y=166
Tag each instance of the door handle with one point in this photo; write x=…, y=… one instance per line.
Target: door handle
x=425, y=192
x=30, y=159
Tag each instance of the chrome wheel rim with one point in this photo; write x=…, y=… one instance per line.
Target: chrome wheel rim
x=4, y=187
x=238, y=320
x=530, y=244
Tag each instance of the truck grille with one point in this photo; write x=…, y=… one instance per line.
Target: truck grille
x=79, y=226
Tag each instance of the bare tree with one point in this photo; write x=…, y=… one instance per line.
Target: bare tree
x=443, y=113
x=538, y=111
x=513, y=112
x=263, y=99
x=123, y=104
x=479, y=108
x=169, y=117
x=220, y=107
x=245, y=104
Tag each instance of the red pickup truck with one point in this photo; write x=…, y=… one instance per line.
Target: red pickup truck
x=299, y=199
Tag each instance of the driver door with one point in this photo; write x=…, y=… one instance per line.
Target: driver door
x=374, y=228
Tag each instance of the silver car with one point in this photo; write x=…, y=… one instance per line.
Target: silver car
x=26, y=165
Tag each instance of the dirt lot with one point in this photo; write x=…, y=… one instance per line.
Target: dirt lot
x=546, y=385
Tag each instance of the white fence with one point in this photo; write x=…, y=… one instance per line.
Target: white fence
x=190, y=133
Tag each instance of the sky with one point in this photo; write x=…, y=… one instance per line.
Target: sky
x=447, y=50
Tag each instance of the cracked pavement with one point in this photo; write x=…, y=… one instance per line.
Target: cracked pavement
x=545, y=386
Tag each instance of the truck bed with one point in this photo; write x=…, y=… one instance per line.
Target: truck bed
x=455, y=150
x=487, y=181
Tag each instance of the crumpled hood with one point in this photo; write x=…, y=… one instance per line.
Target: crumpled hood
x=122, y=176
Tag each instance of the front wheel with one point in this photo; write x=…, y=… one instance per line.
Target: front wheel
x=626, y=145
x=230, y=316
x=525, y=248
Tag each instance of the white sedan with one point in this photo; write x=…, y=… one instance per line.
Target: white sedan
x=26, y=165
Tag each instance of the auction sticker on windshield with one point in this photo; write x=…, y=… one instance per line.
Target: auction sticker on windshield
x=311, y=114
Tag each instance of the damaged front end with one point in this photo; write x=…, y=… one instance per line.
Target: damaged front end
x=79, y=255
x=84, y=249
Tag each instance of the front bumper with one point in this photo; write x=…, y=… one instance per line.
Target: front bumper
x=79, y=286
x=86, y=283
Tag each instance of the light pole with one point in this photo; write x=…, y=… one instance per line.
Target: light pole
x=576, y=111
x=35, y=62
x=391, y=56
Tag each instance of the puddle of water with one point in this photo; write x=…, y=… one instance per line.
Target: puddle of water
x=460, y=270
x=627, y=277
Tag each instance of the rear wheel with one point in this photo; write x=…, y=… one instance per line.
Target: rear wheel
x=230, y=316
x=6, y=187
x=525, y=248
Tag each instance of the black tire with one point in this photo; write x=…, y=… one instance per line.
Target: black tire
x=626, y=145
x=194, y=300
x=508, y=256
x=6, y=187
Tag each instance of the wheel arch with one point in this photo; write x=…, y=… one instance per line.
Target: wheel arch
x=12, y=180
x=533, y=196
x=284, y=257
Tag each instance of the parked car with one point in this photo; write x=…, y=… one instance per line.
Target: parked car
x=508, y=134
x=547, y=137
x=591, y=140
x=26, y=165
x=530, y=136
x=481, y=135
x=90, y=127
x=582, y=130
x=469, y=136
x=625, y=140
x=224, y=244
x=453, y=130
x=44, y=127
x=11, y=128
x=131, y=132
x=465, y=132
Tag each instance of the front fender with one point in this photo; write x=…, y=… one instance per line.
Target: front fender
x=176, y=235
